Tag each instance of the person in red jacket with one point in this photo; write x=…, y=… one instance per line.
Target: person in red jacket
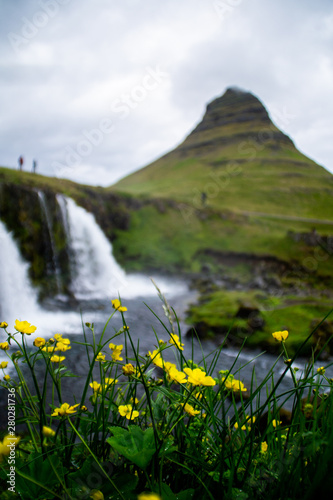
x=20, y=162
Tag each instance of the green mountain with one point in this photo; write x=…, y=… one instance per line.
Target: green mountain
x=242, y=162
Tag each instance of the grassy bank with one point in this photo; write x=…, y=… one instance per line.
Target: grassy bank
x=148, y=429
x=253, y=315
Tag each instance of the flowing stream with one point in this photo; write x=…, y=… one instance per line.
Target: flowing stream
x=96, y=279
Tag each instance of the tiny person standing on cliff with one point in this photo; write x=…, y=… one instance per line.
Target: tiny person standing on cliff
x=34, y=166
x=20, y=162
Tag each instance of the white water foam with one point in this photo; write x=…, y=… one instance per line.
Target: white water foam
x=19, y=299
x=96, y=274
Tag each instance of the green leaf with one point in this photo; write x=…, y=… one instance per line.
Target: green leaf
x=186, y=494
x=136, y=445
x=39, y=471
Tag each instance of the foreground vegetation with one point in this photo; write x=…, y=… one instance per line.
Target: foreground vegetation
x=148, y=428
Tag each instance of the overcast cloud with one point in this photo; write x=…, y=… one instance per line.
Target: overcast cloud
x=97, y=89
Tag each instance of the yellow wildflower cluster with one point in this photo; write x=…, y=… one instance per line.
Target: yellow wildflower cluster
x=116, y=304
x=128, y=412
x=263, y=447
x=47, y=431
x=149, y=496
x=175, y=341
x=247, y=425
x=199, y=377
x=190, y=410
x=100, y=357
x=25, y=327
x=64, y=410
x=5, y=445
x=280, y=336
x=128, y=369
x=3, y=324
x=116, y=352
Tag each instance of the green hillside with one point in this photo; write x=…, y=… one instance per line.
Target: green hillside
x=238, y=206
x=242, y=162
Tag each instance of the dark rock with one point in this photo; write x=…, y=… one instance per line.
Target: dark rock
x=246, y=310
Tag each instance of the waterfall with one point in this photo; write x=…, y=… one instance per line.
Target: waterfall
x=19, y=299
x=15, y=290
x=94, y=271
x=48, y=221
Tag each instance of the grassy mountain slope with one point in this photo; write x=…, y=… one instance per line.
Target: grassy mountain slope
x=242, y=162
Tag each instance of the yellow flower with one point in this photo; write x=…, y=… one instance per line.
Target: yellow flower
x=308, y=410
x=25, y=327
x=109, y=382
x=39, y=342
x=48, y=348
x=3, y=364
x=176, y=376
x=3, y=324
x=65, y=409
x=275, y=423
x=57, y=359
x=246, y=426
x=199, y=377
x=58, y=337
x=116, y=304
x=100, y=357
x=128, y=369
x=7, y=378
x=175, y=341
x=149, y=496
x=234, y=385
x=47, y=431
x=190, y=410
x=134, y=401
x=156, y=358
x=6, y=444
x=96, y=387
x=167, y=366
x=281, y=336
x=4, y=346
x=116, y=352
x=321, y=370
x=61, y=346
x=263, y=447
x=83, y=408
x=128, y=412
x=96, y=495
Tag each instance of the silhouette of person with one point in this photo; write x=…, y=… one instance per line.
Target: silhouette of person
x=20, y=162
x=34, y=166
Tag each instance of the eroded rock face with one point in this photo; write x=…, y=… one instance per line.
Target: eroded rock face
x=36, y=221
x=41, y=237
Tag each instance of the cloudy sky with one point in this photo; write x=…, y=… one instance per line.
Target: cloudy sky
x=97, y=89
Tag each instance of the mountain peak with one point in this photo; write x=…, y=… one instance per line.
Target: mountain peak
x=235, y=116
x=234, y=106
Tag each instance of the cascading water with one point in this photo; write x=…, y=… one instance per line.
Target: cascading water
x=94, y=271
x=95, y=274
x=17, y=296
x=19, y=299
x=55, y=259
